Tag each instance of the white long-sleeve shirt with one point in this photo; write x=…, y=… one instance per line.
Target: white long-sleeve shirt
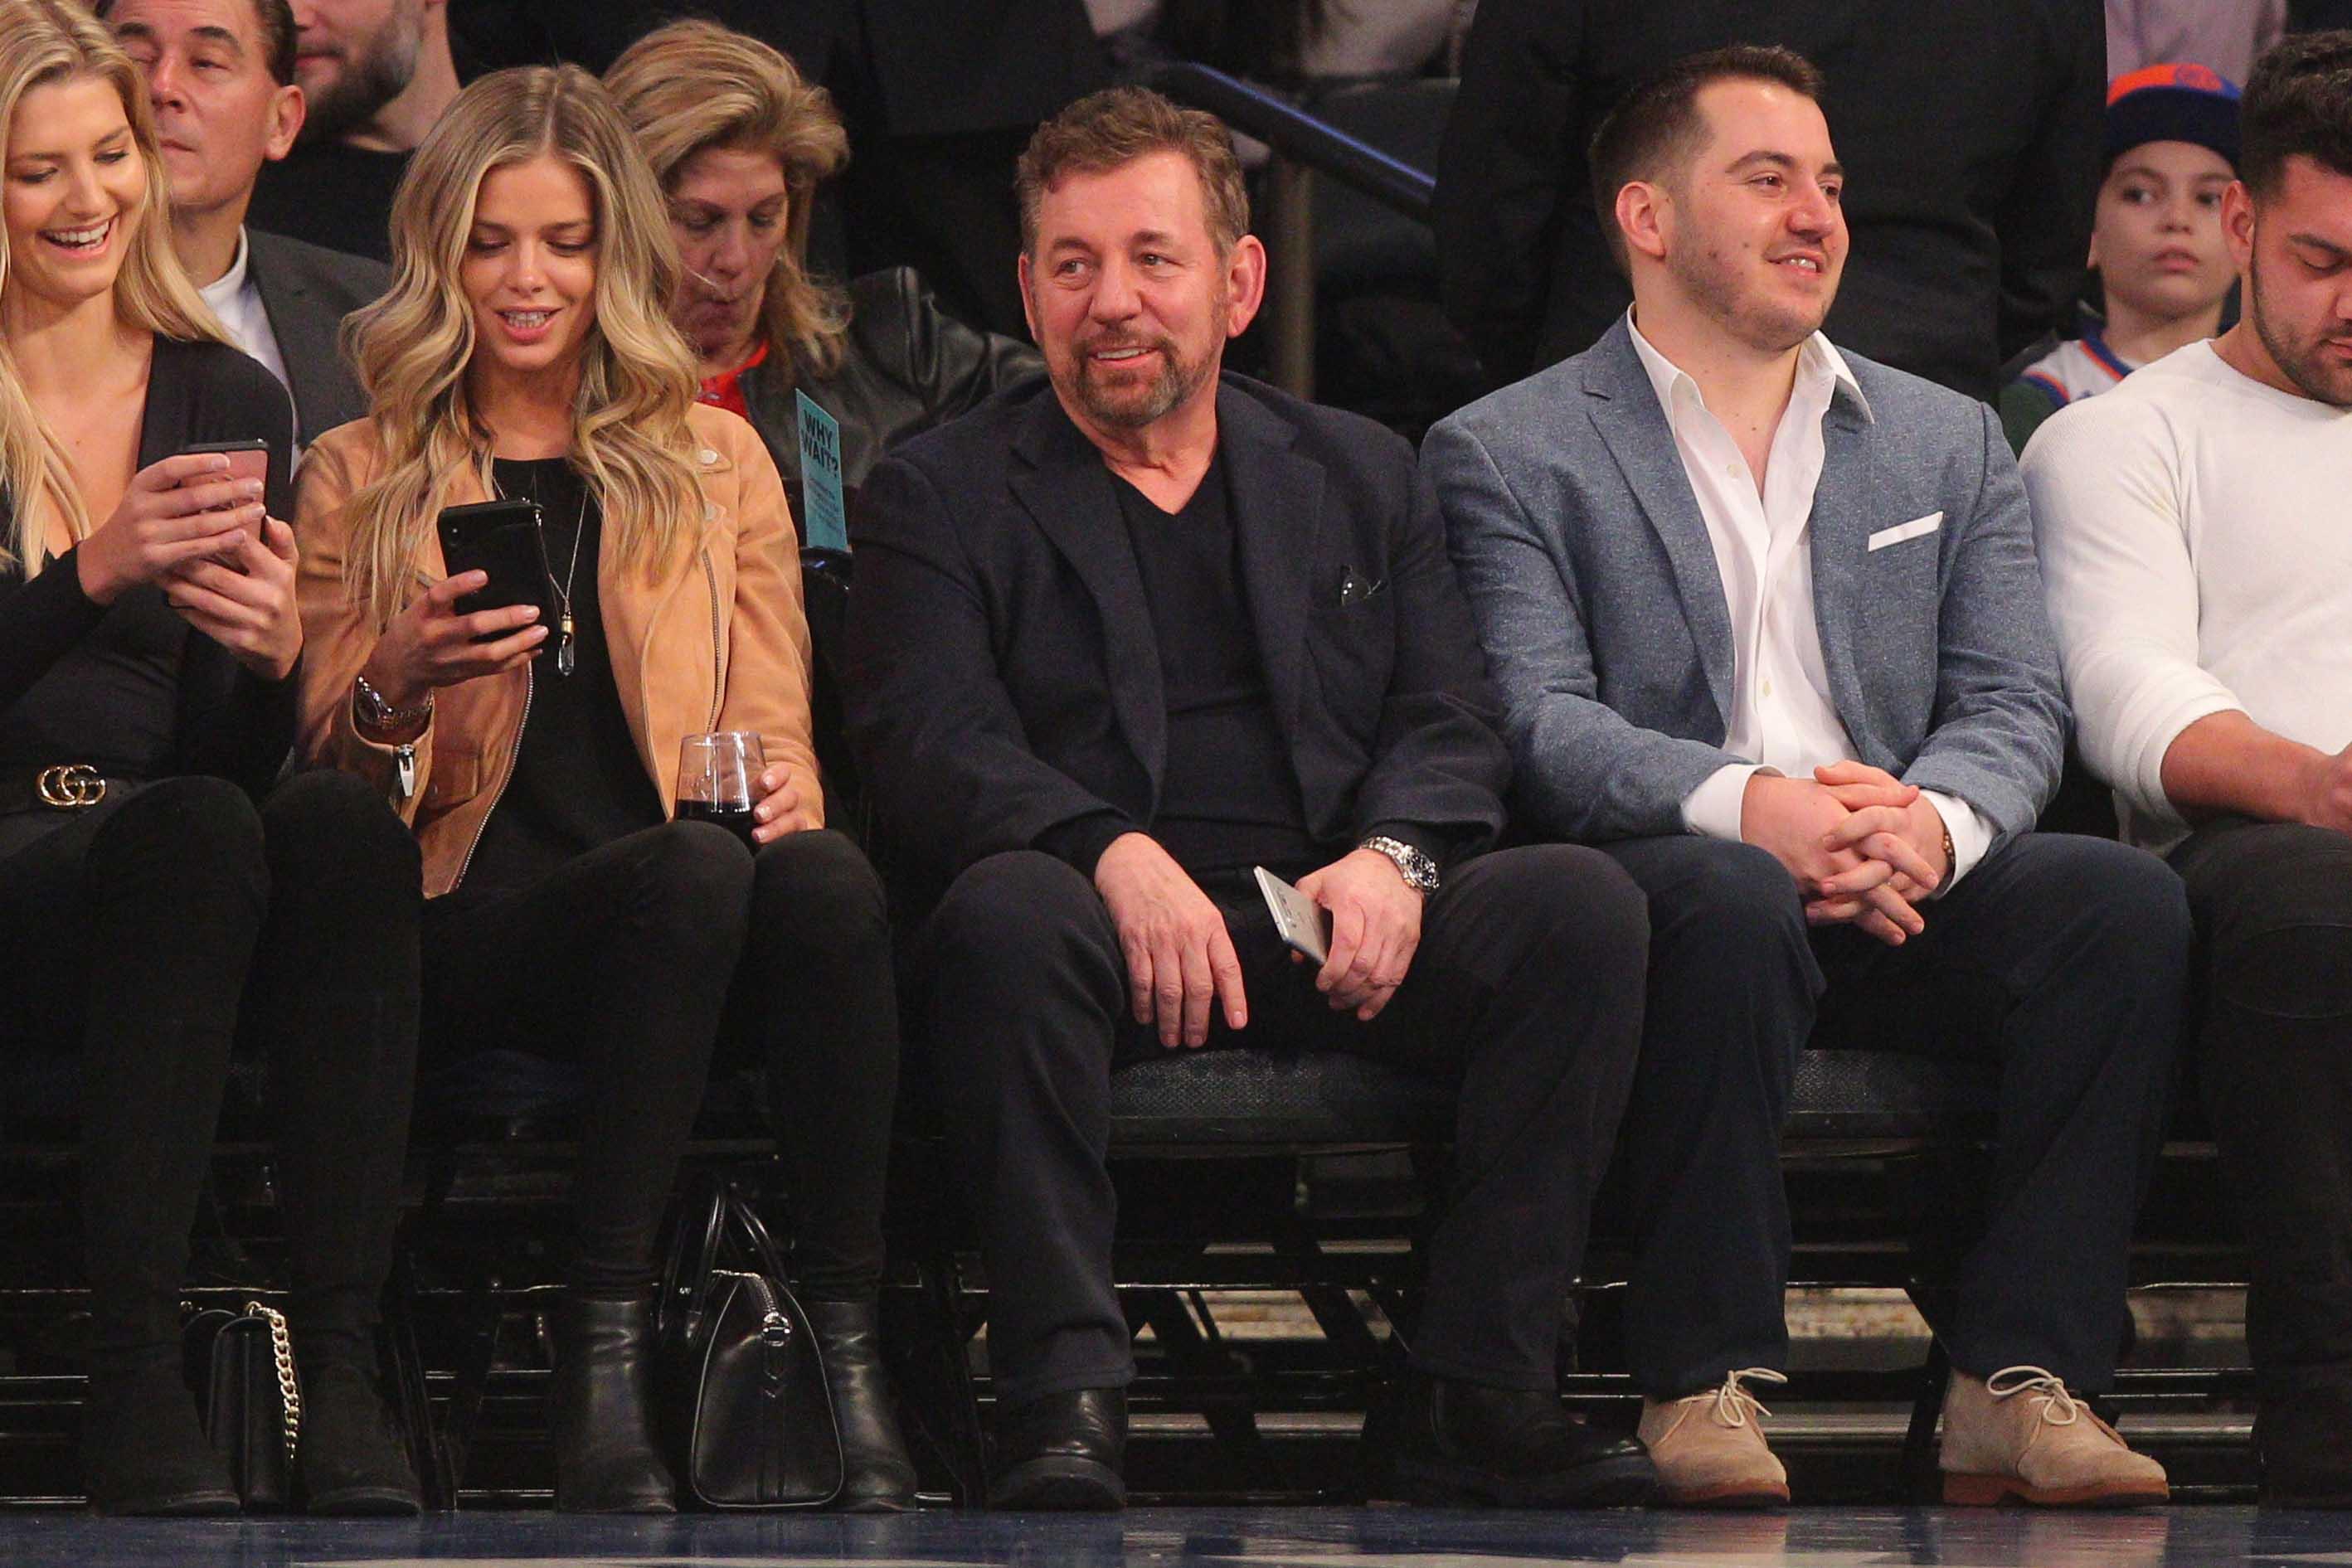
x=1783, y=716
x=2196, y=539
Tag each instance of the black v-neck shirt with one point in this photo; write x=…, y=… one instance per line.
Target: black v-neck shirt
x=1229, y=799
x=578, y=781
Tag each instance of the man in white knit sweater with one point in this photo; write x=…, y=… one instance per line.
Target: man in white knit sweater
x=2196, y=534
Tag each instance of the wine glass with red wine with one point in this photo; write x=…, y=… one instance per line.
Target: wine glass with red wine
x=718, y=780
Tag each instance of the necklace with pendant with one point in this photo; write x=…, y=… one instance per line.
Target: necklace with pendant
x=567, y=657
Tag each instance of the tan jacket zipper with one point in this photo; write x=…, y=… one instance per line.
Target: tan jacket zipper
x=514, y=755
x=718, y=677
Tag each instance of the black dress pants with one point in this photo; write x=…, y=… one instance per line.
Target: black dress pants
x=623, y=958
x=2074, y=948
x=2273, y=909
x=1526, y=991
x=158, y=913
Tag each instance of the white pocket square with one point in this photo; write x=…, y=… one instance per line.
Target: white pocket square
x=1901, y=532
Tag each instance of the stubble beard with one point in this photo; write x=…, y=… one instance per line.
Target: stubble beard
x=370, y=79
x=1178, y=379
x=1717, y=283
x=2299, y=362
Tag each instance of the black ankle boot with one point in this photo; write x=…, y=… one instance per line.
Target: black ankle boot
x=1063, y=1452
x=876, y=1476
x=601, y=1409
x=143, y=1449
x=351, y=1462
x=1444, y=1443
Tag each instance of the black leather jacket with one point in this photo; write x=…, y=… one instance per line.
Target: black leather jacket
x=906, y=367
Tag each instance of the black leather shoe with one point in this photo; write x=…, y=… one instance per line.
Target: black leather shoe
x=1063, y=1452
x=2301, y=1428
x=1439, y=1441
x=601, y=1410
x=351, y=1463
x=143, y=1451
x=876, y=1475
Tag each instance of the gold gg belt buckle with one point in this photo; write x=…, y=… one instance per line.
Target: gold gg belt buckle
x=70, y=787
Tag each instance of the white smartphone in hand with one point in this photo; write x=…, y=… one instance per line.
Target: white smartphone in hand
x=1304, y=925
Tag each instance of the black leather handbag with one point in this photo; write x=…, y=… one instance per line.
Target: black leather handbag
x=751, y=1421
x=241, y=1366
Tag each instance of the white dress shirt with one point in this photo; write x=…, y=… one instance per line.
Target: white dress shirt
x=1783, y=716
x=237, y=300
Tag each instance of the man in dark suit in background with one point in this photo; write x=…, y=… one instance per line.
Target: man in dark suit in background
x=1115, y=642
x=1972, y=130
x=377, y=75
x=220, y=74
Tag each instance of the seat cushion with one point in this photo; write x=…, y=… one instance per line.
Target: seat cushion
x=1256, y=1097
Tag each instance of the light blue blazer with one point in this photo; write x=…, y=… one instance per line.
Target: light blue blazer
x=1594, y=584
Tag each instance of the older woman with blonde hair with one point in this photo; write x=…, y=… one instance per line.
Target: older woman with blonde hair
x=740, y=144
x=522, y=352
x=148, y=643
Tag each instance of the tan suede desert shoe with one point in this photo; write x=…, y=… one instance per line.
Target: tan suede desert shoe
x=1709, y=1451
x=2021, y=1434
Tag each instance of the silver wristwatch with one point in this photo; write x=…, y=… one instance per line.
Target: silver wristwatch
x=369, y=706
x=1420, y=873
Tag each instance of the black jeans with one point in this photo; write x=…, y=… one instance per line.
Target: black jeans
x=159, y=913
x=2077, y=949
x=1526, y=992
x=623, y=958
x=2273, y=908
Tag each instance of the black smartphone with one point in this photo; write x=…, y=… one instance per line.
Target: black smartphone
x=505, y=540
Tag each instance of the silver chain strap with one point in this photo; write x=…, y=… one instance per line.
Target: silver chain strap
x=281, y=1346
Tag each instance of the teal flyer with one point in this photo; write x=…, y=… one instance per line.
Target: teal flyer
x=826, y=519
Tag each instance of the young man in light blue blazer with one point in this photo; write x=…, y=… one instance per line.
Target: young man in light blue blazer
x=1767, y=627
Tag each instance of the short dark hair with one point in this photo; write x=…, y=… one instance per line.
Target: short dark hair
x=1657, y=124
x=278, y=39
x=1111, y=128
x=2299, y=102
x=276, y=19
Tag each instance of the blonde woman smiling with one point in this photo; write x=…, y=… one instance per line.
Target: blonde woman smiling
x=522, y=351
x=148, y=643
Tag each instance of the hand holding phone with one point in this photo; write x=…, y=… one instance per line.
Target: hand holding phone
x=1304, y=925
x=184, y=508
x=248, y=461
x=505, y=541
x=483, y=619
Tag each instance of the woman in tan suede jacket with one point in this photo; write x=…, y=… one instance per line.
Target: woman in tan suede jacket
x=522, y=352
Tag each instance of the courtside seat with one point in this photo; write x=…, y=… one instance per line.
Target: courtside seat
x=1263, y=1098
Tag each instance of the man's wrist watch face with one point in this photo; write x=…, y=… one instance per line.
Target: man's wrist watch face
x=1420, y=873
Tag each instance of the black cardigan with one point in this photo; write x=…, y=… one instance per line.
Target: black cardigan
x=230, y=723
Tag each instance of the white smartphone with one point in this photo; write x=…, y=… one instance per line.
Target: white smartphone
x=1304, y=925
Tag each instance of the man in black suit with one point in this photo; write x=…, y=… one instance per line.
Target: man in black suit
x=1971, y=132
x=1115, y=642
x=220, y=74
x=379, y=75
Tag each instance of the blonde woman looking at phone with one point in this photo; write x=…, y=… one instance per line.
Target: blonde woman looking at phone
x=523, y=352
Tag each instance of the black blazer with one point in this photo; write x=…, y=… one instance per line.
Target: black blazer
x=306, y=291
x=1003, y=678
x=230, y=722
x=1971, y=130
